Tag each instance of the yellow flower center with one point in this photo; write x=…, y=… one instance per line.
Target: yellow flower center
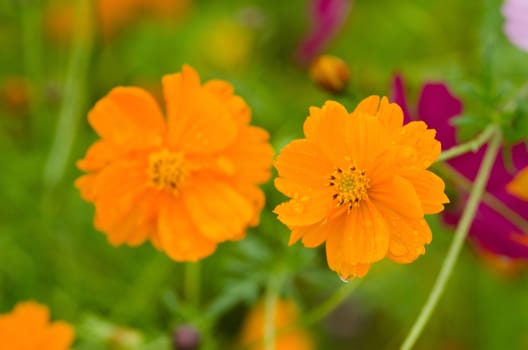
x=350, y=185
x=167, y=170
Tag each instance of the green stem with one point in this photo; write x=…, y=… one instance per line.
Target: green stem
x=330, y=304
x=270, y=307
x=458, y=241
x=31, y=22
x=192, y=283
x=73, y=96
x=472, y=145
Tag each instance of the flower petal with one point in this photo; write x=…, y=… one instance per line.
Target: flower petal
x=408, y=236
x=198, y=121
x=328, y=125
x=359, y=238
x=390, y=115
x=368, y=105
x=218, y=211
x=422, y=140
x=429, y=188
x=399, y=195
x=178, y=236
x=519, y=185
x=128, y=117
x=59, y=335
x=366, y=138
x=254, y=195
x=399, y=96
x=235, y=104
x=251, y=155
x=436, y=106
x=296, y=162
x=308, y=205
x=137, y=224
x=100, y=154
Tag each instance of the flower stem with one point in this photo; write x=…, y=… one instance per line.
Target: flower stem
x=31, y=21
x=270, y=307
x=331, y=303
x=192, y=283
x=73, y=96
x=457, y=244
x=472, y=145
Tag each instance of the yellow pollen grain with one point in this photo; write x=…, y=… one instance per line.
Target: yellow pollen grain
x=350, y=186
x=167, y=170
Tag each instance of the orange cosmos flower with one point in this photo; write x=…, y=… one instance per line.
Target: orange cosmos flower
x=519, y=185
x=288, y=336
x=187, y=182
x=27, y=327
x=358, y=182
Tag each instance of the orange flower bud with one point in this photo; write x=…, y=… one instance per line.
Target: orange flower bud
x=330, y=73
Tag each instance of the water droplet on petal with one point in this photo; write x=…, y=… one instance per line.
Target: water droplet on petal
x=398, y=249
x=344, y=279
x=298, y=208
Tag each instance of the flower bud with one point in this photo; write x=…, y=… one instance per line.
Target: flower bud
x=330, y=73
x=186, y=337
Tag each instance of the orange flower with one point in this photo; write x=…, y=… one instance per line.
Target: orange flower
x=330, y=73
x=111, y=15
x=187, y=182
x=519, y=185
x=358, y=182
x=288, y=336
x=27, y=327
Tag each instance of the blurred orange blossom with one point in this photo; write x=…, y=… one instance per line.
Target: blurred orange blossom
x=287, y=335
x=358, y=181
x=111, y=15
x=185, y=182
x=27, y=327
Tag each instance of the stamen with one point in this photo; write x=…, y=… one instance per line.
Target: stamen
x=167, y=170
x=351, y=186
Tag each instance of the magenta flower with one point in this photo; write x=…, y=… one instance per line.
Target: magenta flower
x=327, y=17
x=490, y=230
x=516, y=22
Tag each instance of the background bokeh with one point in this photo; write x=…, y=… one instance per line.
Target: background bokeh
x=59, y=57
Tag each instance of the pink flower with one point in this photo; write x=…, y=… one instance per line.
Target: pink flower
x=490, y=230
x=328, y=16
x=516, y=22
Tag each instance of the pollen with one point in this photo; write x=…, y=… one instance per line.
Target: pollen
x=167, y=170
x=350, y=184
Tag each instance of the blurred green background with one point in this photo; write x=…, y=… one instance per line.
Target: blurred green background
x=55, y=63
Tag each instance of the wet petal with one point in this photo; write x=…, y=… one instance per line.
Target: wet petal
x=296, y=163
x=100, y=154
x=218, y=211
x=306, y=207
x=361, y=237
x=198, y=121
x=235, y=104
x=408, y=236
x=390, y=115
x=128, y=117
x=429, y=188
x=251, y=155
x=178, y=236
x=366, y=138
x=328, y=136
x=399, y=195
